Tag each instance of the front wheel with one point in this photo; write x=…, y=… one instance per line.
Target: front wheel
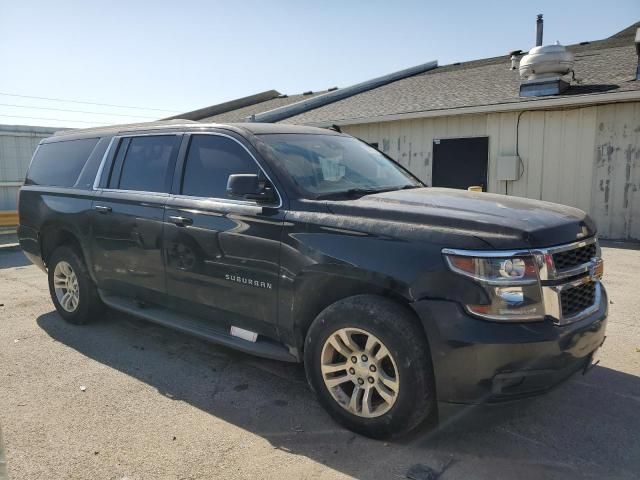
x=367, y=359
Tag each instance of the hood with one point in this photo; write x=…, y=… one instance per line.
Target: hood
x=501, y=221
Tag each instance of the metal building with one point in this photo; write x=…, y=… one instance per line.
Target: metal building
x=17, y=144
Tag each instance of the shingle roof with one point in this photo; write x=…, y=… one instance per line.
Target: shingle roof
x=241, y=114
x=607, y=65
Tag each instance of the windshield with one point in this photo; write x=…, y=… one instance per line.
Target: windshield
x=326, y=166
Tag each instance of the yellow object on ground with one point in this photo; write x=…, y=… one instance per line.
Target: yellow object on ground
x=475, y=188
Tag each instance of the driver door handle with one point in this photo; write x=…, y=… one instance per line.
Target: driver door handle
x=102, y=209
x=181, y=221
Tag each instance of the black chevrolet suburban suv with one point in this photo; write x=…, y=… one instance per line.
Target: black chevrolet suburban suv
x=307, y=245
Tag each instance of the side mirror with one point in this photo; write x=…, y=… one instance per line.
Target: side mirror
x=249, y=186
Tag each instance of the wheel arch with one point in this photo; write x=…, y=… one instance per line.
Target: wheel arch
x=318, y=289
x=53, y=236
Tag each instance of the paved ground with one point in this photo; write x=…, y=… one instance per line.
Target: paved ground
x=158, y=405
x=8, y=236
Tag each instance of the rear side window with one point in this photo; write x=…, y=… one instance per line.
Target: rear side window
x=145, y=163
x=59, y=164
x=210, y=161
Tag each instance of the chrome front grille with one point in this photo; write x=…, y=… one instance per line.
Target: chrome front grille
x=575, y=257
x=570, y=280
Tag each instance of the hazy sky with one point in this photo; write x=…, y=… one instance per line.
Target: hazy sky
x=182, y=55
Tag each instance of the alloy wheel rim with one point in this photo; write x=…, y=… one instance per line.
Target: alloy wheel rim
x=359, y=372
x=65, y=283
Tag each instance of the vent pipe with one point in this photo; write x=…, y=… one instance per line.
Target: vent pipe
x=638, y=53
x=539, y=26
x=543, y=67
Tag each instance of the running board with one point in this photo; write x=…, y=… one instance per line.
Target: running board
x=198, y=328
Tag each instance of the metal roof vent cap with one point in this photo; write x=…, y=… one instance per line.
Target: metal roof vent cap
x=542, y=68
x=546, y=62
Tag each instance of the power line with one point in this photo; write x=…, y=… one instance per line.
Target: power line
x=76, y=111
x=86, y=103
x=53, y=119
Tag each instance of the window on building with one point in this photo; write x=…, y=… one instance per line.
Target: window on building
x=210, y=161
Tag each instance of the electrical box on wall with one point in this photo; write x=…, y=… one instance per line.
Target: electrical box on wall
x=508, y=168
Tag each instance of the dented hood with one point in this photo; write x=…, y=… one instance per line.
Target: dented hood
x=501, y=221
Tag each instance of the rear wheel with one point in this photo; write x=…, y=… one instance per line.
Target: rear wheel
x=368, y=361
x=73, y=293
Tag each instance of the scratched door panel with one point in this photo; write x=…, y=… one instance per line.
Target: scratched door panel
x=223, y=265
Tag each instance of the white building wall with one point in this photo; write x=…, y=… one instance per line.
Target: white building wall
x=17, y=144
x=587, y=157
x=616, y=175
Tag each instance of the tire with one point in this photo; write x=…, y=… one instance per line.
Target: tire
x=381, y=413
x=65, y=265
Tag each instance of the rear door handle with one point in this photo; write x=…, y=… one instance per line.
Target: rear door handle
x=181, y=221
x=102, y=209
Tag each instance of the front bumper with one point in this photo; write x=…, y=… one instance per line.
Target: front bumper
x=477, y=361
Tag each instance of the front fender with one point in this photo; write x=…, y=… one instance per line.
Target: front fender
x=326, y=257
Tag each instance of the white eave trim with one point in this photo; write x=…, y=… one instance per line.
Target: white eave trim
x=542, y=104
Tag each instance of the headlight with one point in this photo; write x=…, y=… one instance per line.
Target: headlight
x=511, y=284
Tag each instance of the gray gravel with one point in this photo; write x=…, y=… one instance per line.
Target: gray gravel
x=158, y=404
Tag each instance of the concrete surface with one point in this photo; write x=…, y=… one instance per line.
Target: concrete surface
x=8, y=236
x=161, y=405
x=3, y=464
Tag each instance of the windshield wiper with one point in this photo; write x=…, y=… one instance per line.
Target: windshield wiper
x=360, y=192
x=352, y=192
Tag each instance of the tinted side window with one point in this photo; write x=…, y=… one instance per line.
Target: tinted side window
x=90, y=169
x=210, y=161
x=148, y=164
x=59, y=164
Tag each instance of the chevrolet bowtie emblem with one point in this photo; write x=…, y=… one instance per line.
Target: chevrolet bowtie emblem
x=584, y=231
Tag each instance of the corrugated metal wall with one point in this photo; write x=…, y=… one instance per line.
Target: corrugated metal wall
x=616, y=175
x=17, y=144
x=585, y=157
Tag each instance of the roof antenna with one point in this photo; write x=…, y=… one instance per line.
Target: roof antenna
x=335, y=128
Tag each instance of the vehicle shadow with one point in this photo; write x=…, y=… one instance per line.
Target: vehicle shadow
x=588, y=428
x=11, y=257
